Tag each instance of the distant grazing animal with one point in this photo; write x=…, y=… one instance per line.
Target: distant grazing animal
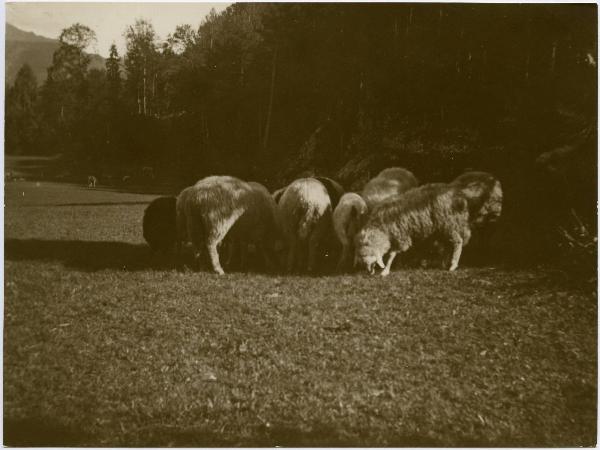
x=259, y=227
x=305, y=211
x=209, y=209
x=148, y=173
x=388, y=183
x=430, y=210
x=348, y=217
x=160, y=225
x=92, y=180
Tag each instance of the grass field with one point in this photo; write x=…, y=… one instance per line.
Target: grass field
x=101, y=348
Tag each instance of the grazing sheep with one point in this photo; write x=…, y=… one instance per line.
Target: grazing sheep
x=259, y=226
x=92, y=180
x=159, y=224
x=388, y=183
x=305, y=211
x=148, y=173
x=348, y=217
x=207, y=211
x=484, y=194
x=430, y=210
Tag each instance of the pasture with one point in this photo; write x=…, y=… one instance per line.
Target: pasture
x=103, y=347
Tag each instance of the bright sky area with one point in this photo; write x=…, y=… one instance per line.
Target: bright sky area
x=108, y=20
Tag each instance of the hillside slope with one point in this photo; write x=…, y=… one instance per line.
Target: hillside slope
x=24, y=47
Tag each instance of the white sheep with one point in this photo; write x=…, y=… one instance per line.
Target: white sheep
x=348, y=217
x=388, y=183
x=207, y=211
x=421, y=213
x=305, y=212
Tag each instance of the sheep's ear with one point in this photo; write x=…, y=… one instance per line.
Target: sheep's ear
x=380, y=262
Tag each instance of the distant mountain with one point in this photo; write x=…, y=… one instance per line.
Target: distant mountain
x=26, y=47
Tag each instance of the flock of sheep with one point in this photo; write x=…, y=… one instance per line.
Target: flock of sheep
x=313, y=218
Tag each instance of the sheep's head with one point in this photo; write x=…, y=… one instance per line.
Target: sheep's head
x=369, y=248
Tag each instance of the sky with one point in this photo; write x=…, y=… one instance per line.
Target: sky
x=108, y=20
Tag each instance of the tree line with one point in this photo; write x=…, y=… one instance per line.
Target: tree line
x=269, y=91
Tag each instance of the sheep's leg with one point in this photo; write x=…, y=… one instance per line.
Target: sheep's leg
x=292, y=252
x=313, y=248
x=214, y=257
x=178, y=254
x=218, y=231
x=386, y=271
x=269, y=264
x=457, y=242
x=243, y=250
x=343, y=261
x=194, y=235
x=229, y=252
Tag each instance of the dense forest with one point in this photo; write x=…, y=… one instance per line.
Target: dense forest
x=270, y=91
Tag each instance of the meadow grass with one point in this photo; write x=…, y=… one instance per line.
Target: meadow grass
x=105, y=347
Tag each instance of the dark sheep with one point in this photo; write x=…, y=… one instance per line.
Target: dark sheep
x=159, y=224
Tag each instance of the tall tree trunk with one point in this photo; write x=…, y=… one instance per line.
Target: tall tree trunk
x=271, y=93
x=144, y=93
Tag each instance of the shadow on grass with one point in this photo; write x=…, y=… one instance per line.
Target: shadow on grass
x=41, y=432
x=85, y=255
x=162, y=189
x=100, y=255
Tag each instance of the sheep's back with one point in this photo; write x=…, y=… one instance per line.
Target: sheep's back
x=304, y=202
x=217, y=199
x=420, y=212
x=388, y=183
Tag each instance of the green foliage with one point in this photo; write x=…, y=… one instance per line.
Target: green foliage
x=141, y=63
x=22, y=120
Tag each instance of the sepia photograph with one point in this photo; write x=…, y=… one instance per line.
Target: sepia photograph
x=300, y=224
